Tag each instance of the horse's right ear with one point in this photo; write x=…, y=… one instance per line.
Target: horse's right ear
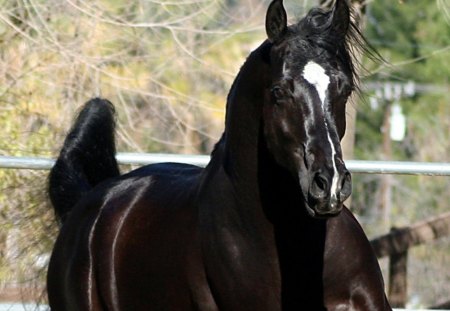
x=276, y=20
x=340, y=18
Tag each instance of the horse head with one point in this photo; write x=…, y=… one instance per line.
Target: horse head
x=312, y=76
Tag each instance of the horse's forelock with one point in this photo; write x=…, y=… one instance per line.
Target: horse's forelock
x=315, y=29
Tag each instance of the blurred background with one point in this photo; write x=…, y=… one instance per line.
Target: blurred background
x=167, y=65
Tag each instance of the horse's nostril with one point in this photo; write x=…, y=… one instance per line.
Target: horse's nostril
x=346, y=186
x=320, y=186
x=346, y=180
x=321, y=182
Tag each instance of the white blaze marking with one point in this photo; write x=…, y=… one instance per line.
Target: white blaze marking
x=334, y=182
x=316, y=75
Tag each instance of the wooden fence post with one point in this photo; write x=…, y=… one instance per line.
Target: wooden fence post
x=396, y=243
x=398, y=279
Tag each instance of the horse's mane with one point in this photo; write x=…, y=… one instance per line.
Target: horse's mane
x=316, y=29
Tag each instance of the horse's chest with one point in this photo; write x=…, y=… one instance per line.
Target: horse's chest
x=243, y=276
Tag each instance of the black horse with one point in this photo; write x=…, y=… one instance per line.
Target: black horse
x=262, y=227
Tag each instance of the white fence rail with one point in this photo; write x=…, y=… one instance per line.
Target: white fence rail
x=355, y=166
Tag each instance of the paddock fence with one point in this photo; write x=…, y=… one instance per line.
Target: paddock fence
x=394, y=245
x=355, y=166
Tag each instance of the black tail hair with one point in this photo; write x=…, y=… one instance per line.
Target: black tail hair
x=86, y=158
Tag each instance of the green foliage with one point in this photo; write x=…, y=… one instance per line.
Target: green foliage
x=414, y=37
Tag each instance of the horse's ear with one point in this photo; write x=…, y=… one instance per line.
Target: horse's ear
x=340, y=18
x=276, y=20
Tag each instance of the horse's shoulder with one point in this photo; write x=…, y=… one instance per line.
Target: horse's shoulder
x=347, y=240
x=346, y=222
x=345, y=232
x=349, y=258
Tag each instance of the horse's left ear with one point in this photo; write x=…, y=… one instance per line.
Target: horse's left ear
x=276, y=20
x=340, y=18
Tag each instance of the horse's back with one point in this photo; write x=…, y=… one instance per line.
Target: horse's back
x=130, y=244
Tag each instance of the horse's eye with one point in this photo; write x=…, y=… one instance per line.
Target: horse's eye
x=277, y=92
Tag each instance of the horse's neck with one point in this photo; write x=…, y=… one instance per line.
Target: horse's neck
x=244, y=111
x=233, y=168
x=229, y=193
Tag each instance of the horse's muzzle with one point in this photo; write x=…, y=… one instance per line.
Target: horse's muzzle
x=327, y=192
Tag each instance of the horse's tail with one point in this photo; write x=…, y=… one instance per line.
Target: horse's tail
x=86, y=158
